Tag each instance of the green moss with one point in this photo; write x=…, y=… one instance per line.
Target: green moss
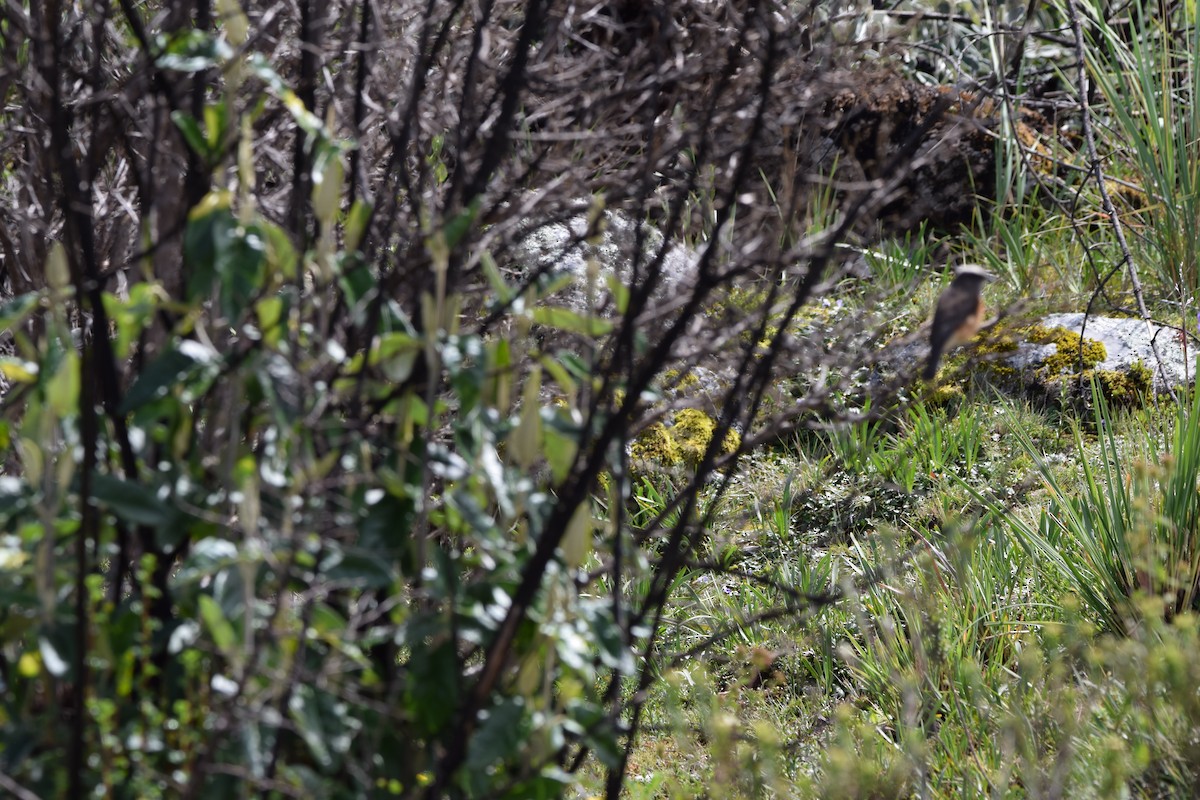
x=657, y=445
x=676, y=382
x=1075, y=361
x=1130, y=387
x=692, y=432
x=683, y=443
x=740, y=301
x=1002, y=342
x=1073, y=350
x=944, y=393
x=1141, y=376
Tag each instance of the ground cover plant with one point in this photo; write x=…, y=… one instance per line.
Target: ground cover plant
x=510, y=400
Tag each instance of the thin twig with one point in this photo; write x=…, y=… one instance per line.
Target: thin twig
x=1098, y=172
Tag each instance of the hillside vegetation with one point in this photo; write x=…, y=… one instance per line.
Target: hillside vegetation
x=519, y=400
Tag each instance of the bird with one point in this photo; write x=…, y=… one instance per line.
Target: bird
x=958, y=315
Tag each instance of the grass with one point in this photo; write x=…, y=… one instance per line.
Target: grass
x=981, y=665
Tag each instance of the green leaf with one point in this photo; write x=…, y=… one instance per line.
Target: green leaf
x=193, y=51
x=220, y=250
x=241, y=269
x=431, y=694
x=18, y=370
x=305, y=711
x=559, y=374
x=458, y=227
x=499, y=735
x=131, y=501
x=208, y=556
x=620, y=292
x=216, y=121
x=356, y=284
x=130, y=317
x=62, y=390
x=566, y=320
x=358, y=568
x=210, y=226
x=328, y=175
x=577, y=540
x=192, y=134
x=218, y=626
x=261, y=67
x=386, y=529
x=357, y=220
x=495, y=279
x=281, y=255
x=15, y=310
x=269, y=311
x=560, y=449
x=396, y=354
x=157, y=379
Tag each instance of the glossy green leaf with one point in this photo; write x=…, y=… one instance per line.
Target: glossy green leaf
x=240, y=270
x=396, y=354
x=499, y=735
x=220, y=250
x=358, y=568
x=192, y=134
x=132, y=502
x=157, y=379
x=270, y=311
x=210, y=226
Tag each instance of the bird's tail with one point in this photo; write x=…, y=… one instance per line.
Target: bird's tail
x=931, y=366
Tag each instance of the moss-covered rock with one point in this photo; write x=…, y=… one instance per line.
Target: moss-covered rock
x=682, y=444
x=693, y=431
x=1066, y=374
x=655, y=444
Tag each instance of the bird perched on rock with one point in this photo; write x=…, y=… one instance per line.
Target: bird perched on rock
x=959, y=313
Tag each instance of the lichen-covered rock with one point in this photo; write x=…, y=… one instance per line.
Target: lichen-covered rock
x=663, y=448
x=594, y=249
x=1120, y=352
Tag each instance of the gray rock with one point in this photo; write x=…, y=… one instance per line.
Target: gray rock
x=566, y=248
x=1126, y=341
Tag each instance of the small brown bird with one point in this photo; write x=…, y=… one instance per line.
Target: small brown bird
x=959, y=313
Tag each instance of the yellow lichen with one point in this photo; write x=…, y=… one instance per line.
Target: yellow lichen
x=692, y=432
x=1074, y=353
x=683, y=443
x=655, y=444
x=1076, y=358
x=1125, y=388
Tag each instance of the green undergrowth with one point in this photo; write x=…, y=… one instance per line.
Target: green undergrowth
x=972, y=653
